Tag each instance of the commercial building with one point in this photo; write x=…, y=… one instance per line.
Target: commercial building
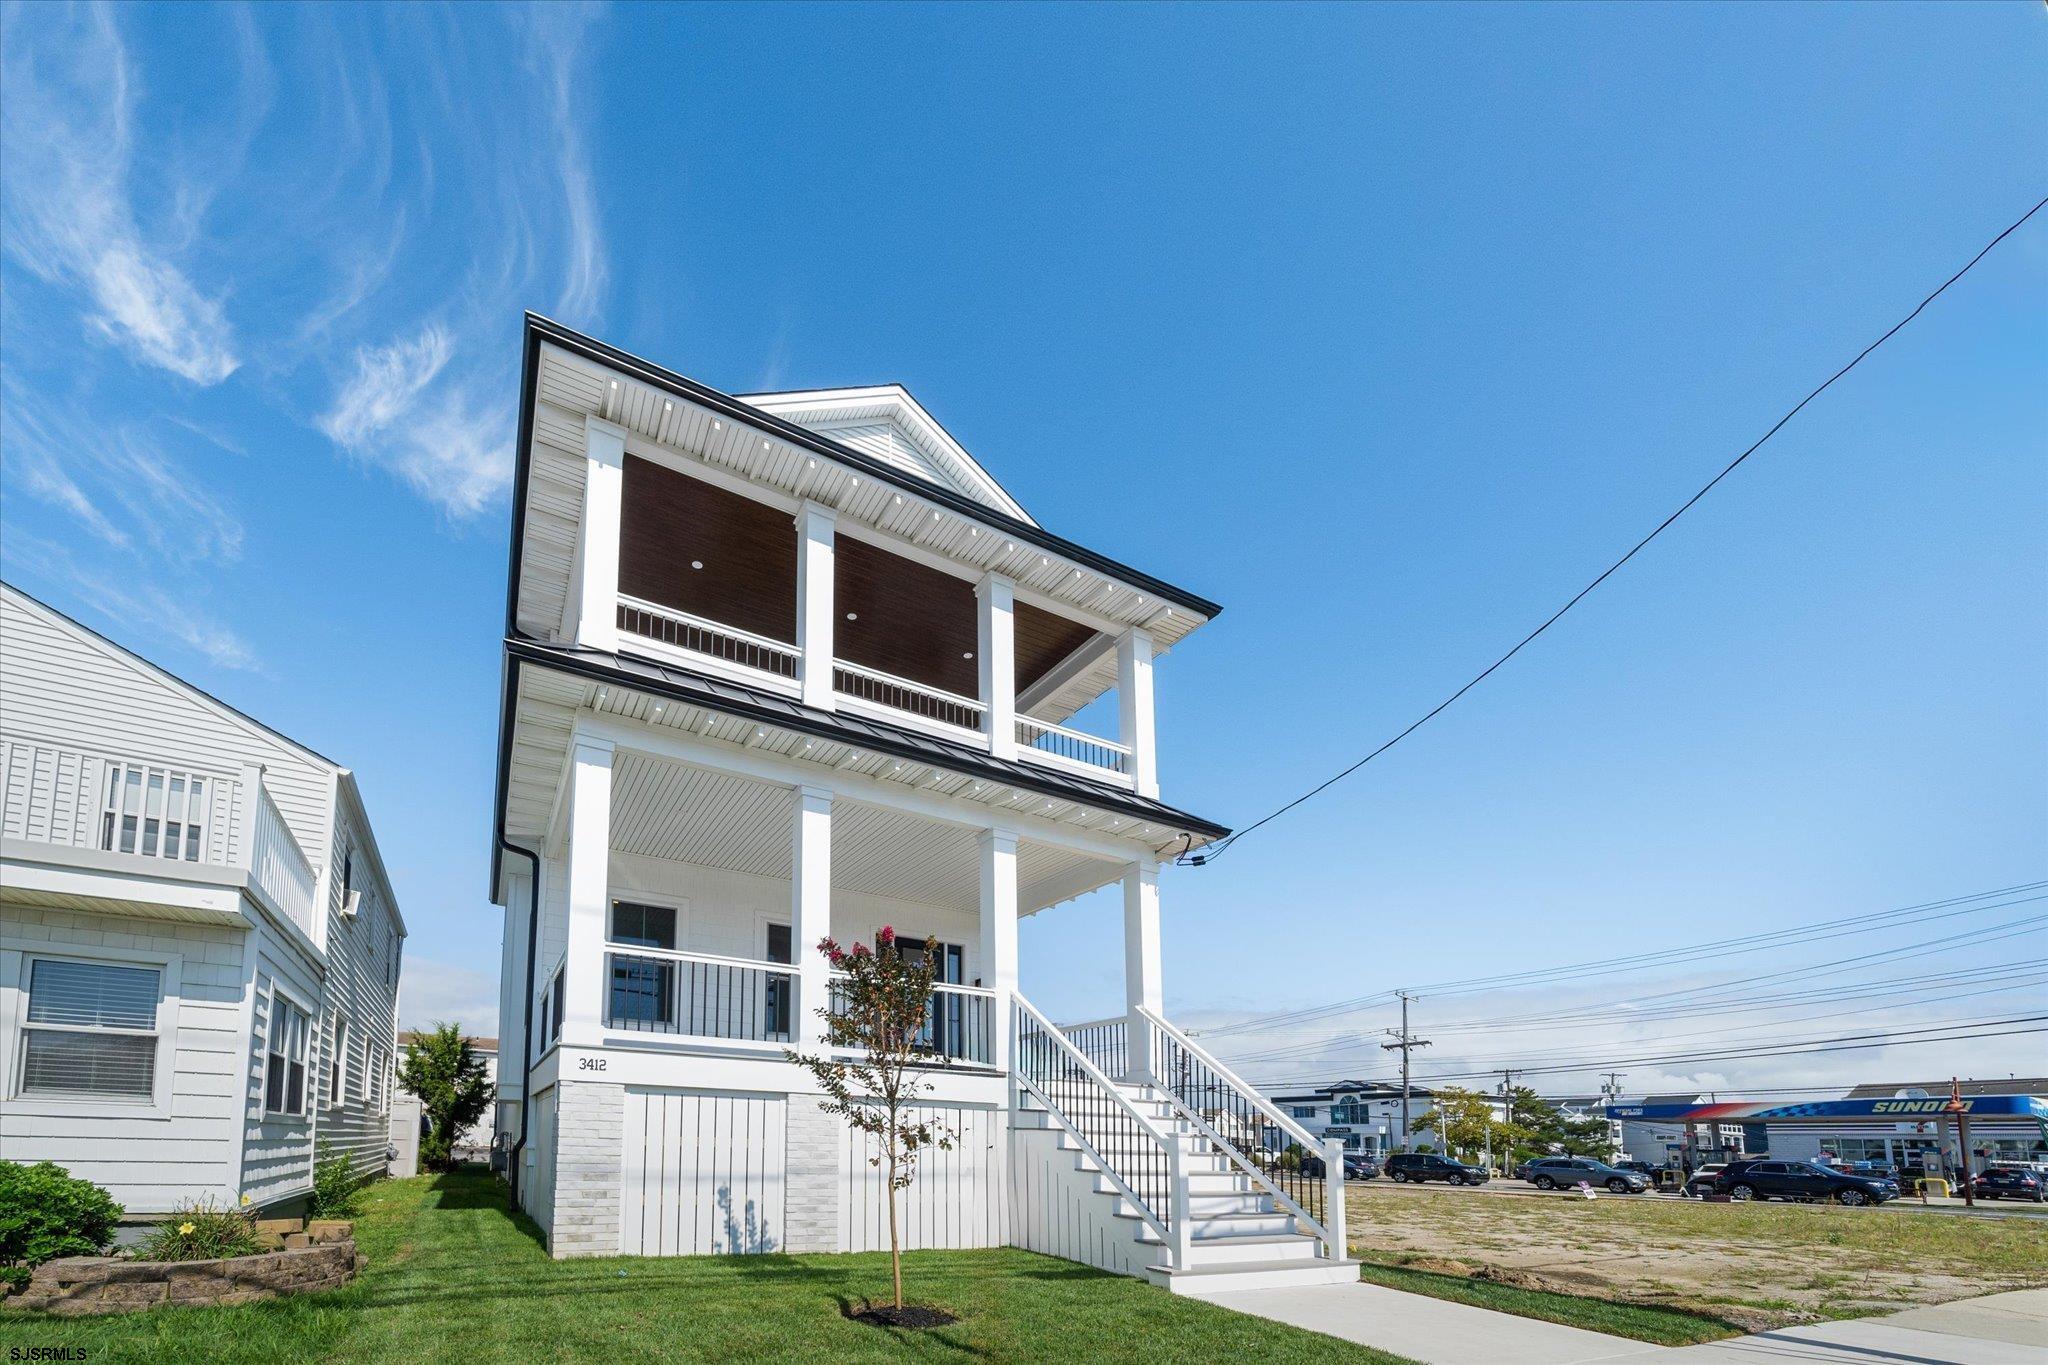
x=1897, y=1124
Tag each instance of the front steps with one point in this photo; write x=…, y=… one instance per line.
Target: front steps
x=1240, y=1238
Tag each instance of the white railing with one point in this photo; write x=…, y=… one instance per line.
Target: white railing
x=1101, y=1041
x=1234, y=1116
x=712, y=639
x=901, y=694
x=699, y=995
x=78, y=798
x=1039, y=739
x=280, y=867
x=959, y=1022
x=1142, y=1162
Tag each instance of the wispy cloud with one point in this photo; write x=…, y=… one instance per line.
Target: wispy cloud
x=391, y=412
x=117, y=479
x=555, y=47
x=133, y=601
x=65, y=204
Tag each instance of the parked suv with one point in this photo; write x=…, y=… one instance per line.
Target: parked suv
x=1551, y=1172
x=2010, y=1182
x=1801, y=1180
x=1421, y=1166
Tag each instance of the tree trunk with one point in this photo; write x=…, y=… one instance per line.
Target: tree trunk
x=895, y=1251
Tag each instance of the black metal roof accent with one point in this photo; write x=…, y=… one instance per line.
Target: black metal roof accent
x=539, y=328
x=769, y=708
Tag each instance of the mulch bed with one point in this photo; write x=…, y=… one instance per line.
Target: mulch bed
x=913, y=1315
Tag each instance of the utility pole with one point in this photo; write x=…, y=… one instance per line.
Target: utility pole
x=1405, y=1042
x=1960, y=1108
x=1612, y=1091
x=1507, y=1091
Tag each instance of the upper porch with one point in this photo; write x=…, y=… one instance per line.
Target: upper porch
x=662, y=519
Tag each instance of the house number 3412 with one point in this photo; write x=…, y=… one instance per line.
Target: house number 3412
x=590, y=1063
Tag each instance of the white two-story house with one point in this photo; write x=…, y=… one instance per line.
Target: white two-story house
x=199, y=949
x=792, y=665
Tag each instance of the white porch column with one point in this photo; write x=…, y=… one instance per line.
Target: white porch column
x=999, y=934
x=589, y=859
x=810, y=912
x=995, y=652
x=1134, y=699
x=596, y=598
x=1142, y=982
x=815, y=527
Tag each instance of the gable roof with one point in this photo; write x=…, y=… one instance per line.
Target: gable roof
x=884, y=421
x=38, y=607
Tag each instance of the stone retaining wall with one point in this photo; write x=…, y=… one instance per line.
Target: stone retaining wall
x=83, y=1286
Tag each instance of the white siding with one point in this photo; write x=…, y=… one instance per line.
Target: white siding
x=956, y=1199
x=537, y=1186
x=703, y=1172
x=1056, y=1209
x=363, y=955
x=147, y=1163
x=66, y=687
x=277, y=1150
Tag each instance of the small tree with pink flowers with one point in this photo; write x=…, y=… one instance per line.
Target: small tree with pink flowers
x=878, y=1011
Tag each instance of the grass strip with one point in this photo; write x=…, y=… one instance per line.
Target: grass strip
x=1639, y=1322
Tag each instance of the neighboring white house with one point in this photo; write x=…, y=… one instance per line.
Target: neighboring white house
x=1363, y=1115
x=796, y=665
x=199, y=950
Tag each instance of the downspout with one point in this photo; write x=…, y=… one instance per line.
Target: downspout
x=512, y=1166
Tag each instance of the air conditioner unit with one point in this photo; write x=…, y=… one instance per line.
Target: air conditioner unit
x=351, y=902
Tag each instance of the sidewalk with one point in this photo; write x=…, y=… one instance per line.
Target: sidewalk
x=1434, y=1331
x=2001, y=1329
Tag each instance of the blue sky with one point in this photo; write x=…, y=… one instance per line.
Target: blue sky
x=1386, y=327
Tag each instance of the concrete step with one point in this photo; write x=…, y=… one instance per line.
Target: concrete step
x=1229, y=1277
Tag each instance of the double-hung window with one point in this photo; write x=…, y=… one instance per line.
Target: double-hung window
x=643, y=989
x=284, y=1077
x=337, y=1066
x=91, y=1029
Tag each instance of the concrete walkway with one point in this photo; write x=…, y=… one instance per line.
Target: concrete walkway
x=2002, y=1329
x=1999, y=1329
x=1434, y=1331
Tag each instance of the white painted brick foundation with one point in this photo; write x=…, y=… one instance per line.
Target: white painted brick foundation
x=588, y=1169
x=812, y=1179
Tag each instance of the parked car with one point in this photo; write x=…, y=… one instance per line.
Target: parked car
x=1555, y=1172
x=1418, y=1167
x=1801, y=1181
x=2010, y=1182
x=1701, y=1182
x=1360, y=1168
x=1641, y=1168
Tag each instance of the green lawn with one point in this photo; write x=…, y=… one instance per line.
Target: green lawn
x=1664, y=1326
x=453, y=1276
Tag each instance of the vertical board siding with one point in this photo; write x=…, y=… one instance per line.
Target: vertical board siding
x=955, y=1201
x=1056, y=1209
x=703, y=1172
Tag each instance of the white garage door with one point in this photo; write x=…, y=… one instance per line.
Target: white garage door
x=955, y=1201
x=703, y=1173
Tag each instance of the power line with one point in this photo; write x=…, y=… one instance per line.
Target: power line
x=1216, y=851
x=1981, y=1028
x=1668, y=957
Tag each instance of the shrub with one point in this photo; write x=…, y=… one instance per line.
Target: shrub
x=334, y=1184
x=202, y=1231
x=45, y=1213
